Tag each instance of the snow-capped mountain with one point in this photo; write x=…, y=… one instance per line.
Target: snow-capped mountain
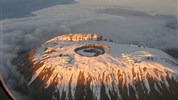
x=88, y=67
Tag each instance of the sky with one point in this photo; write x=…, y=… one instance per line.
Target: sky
x=26, y=25
x=23, y=8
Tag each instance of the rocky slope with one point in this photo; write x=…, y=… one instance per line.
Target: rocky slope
x=85, y=67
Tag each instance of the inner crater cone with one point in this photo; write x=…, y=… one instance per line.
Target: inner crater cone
x=92, y=50
x=82, y=66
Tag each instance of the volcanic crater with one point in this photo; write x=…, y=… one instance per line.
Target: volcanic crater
x=82, y=66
